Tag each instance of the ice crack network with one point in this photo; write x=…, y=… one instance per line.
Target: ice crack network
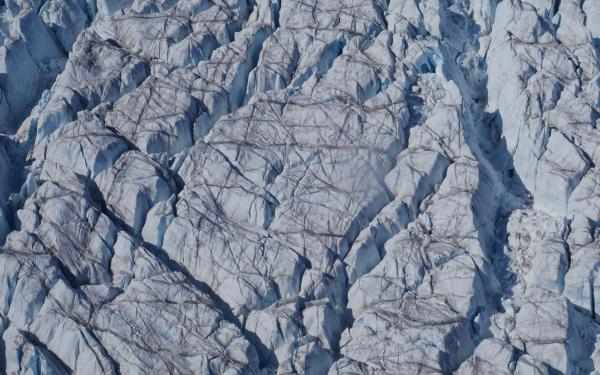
x=323, y=187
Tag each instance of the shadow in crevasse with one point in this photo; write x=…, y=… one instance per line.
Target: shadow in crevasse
x=582, y=331
x=516, y=197
x=491, y=219
x=499, y=193
x=12, y=177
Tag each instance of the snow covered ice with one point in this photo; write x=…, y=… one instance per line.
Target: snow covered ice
x=312, y=187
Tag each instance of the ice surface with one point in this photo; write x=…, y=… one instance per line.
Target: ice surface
x=299, y=187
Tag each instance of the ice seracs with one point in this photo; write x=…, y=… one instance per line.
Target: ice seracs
x=299, y=187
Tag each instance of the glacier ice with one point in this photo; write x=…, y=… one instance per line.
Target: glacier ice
x=299, y=187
